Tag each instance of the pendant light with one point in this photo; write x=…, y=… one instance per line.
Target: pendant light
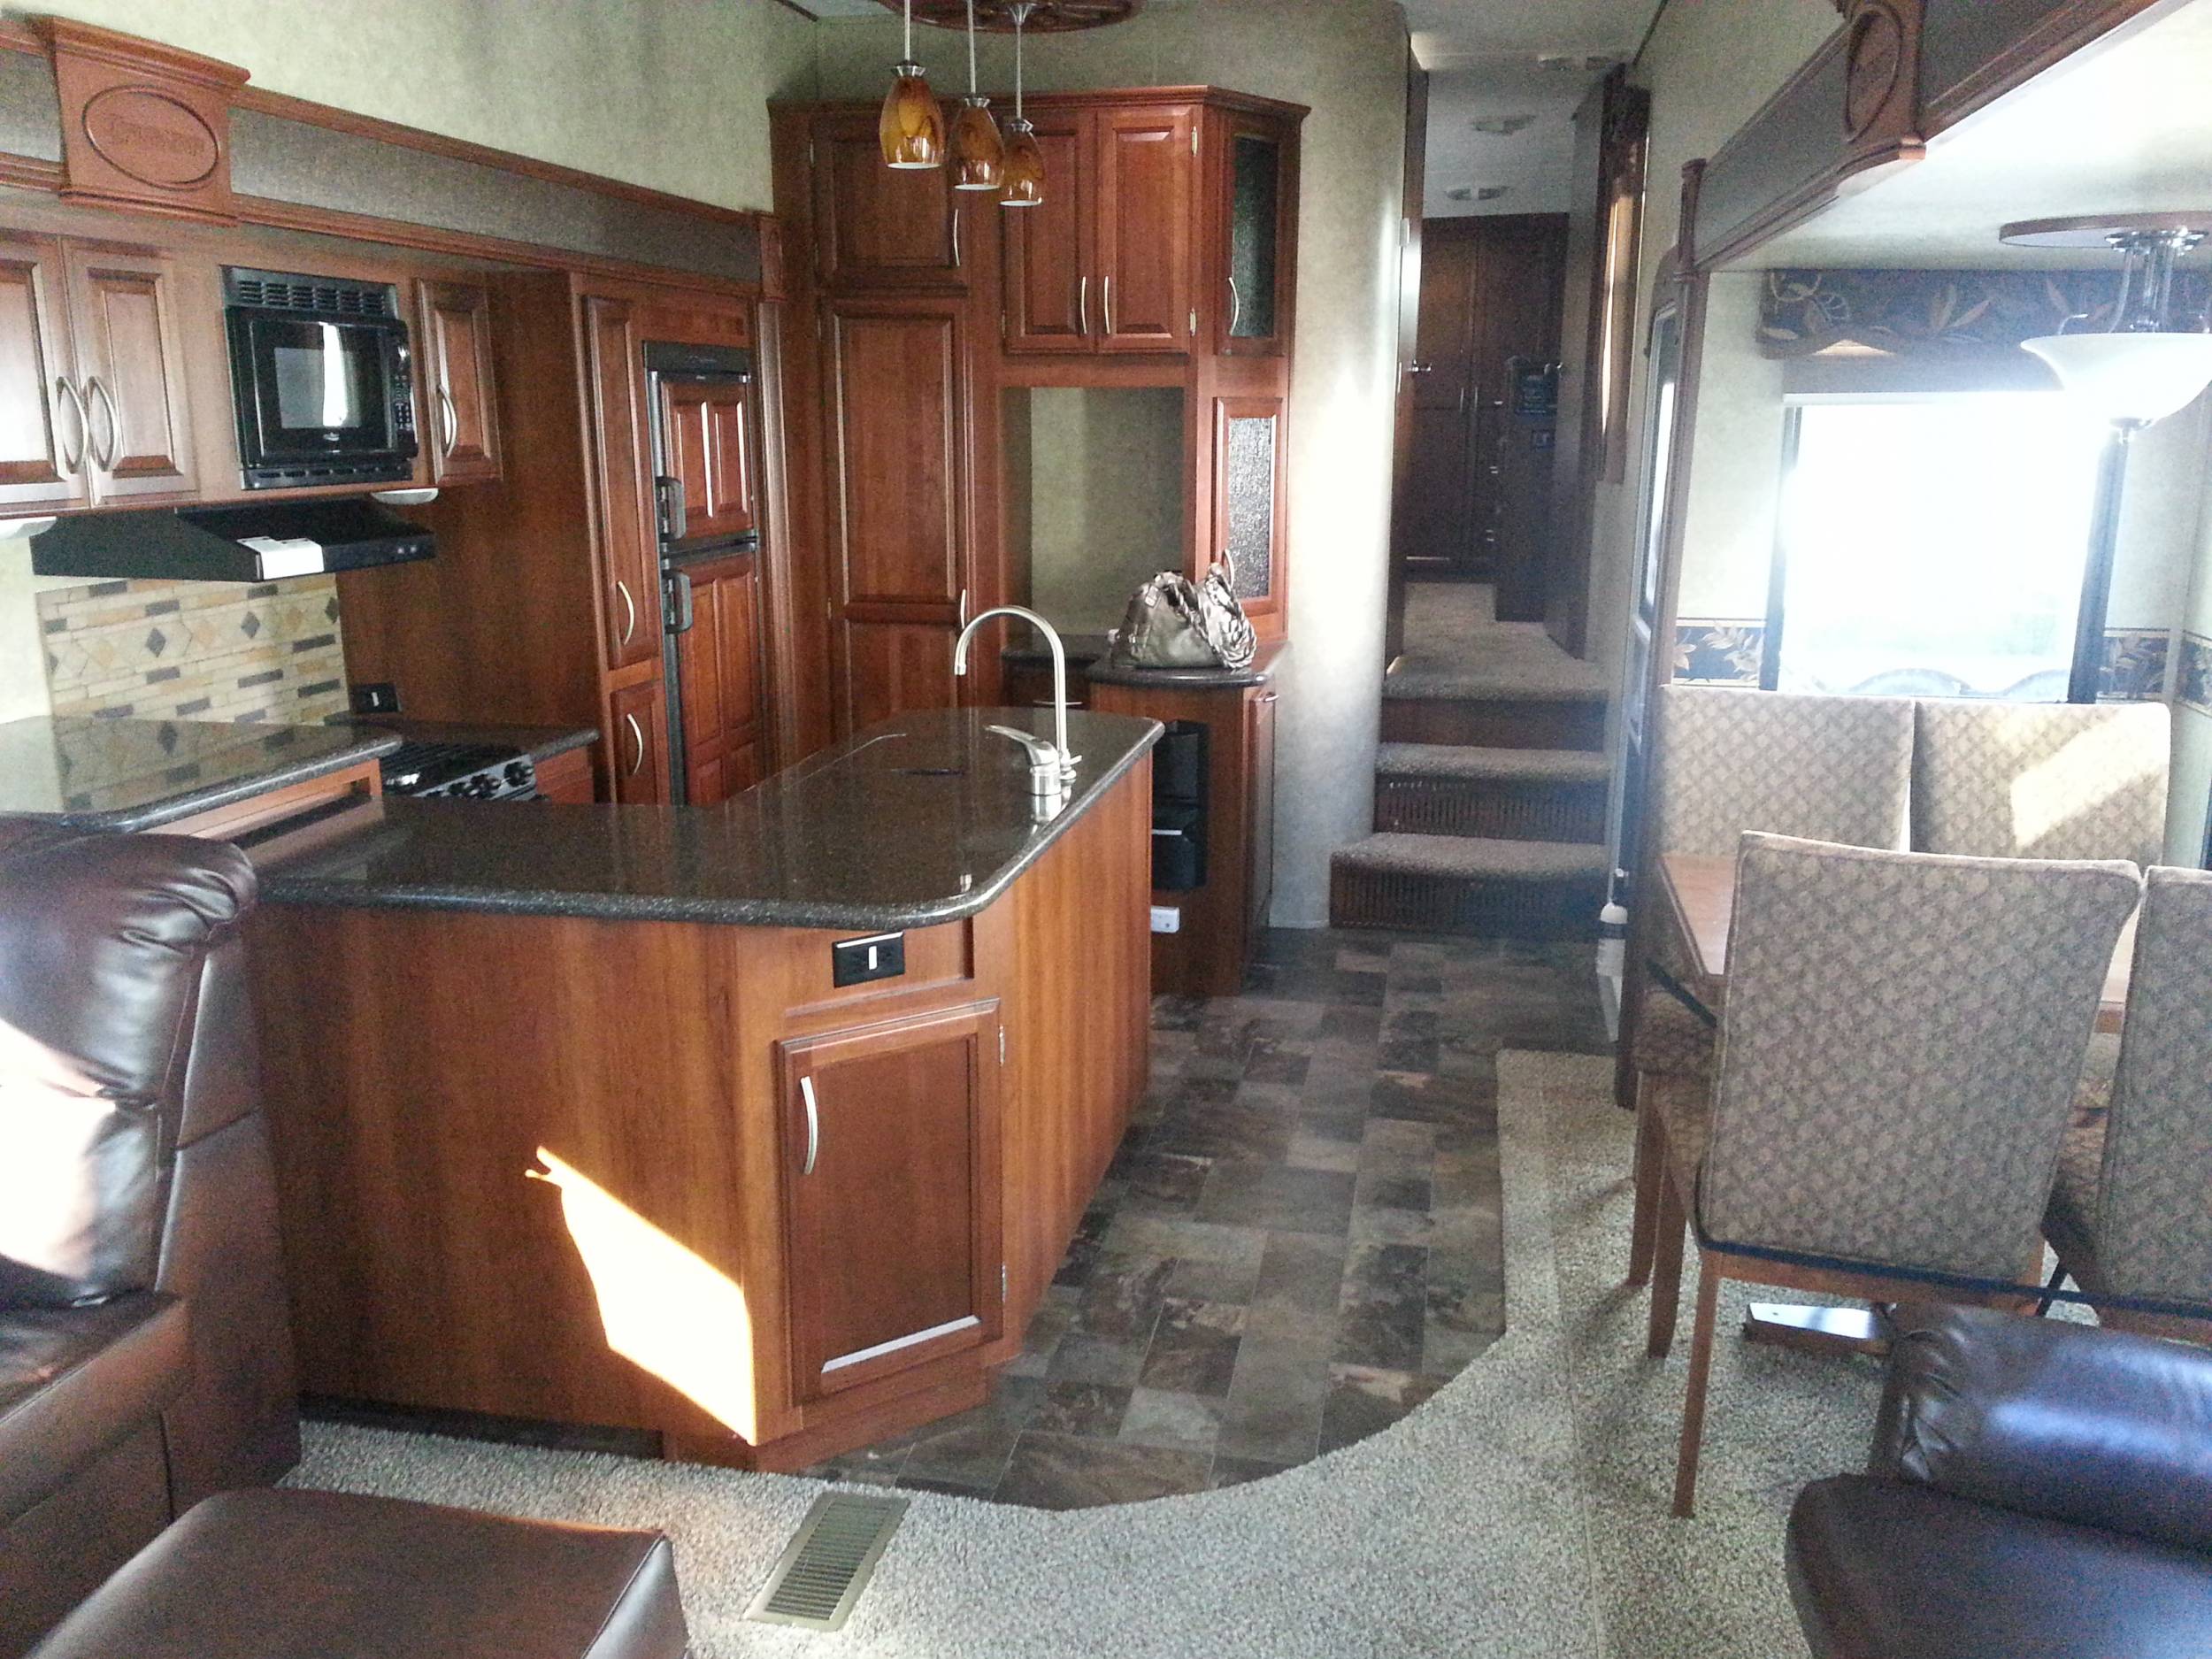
x=979, y=156
x=912, y=128
x=1023, y=179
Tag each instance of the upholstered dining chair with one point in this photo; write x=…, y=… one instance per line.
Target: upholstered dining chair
x=2131, y=1213
x=1830, y=769
x=2041, y=779
x=1898, y=1059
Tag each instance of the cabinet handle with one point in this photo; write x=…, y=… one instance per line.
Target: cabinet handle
x=813, y=1124
x=955, y=239
x=1083, y=306
x=963, y=607
x=637, y=736
x=1106, y=305
x=106, y=458
x=73, y=463
x=629, y=611
x=448, y=423
x=1236, y=307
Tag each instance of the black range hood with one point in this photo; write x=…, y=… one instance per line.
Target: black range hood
x=211, y=544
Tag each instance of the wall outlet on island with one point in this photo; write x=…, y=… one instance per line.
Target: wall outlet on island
x=1166, y=919
x=376, y=696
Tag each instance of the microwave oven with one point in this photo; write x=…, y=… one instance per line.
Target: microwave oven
x=320, y=376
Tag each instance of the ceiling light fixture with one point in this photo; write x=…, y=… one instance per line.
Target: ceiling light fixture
x=912, y=126
x=2142, y=369
x=1500, y=126
x=979, y=155
x=1024, y=181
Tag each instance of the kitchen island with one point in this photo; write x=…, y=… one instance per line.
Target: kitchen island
x=756, y=1130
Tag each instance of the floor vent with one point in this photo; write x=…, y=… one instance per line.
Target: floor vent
x=829, y=1562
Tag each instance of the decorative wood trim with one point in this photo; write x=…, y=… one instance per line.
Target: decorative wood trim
x=144, y=126
x=1110, y=98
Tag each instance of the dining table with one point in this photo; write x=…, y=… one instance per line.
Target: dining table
x=1700, y=890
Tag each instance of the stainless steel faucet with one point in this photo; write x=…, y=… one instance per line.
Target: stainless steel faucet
x=1048, y=761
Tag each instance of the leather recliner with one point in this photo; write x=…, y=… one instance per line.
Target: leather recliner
x=145, y=1352
x=2037, y=1489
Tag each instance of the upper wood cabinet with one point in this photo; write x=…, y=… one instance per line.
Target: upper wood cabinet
x=1105, y=263
x=1253, y=244
x=629, y=550
x=461, y=423
x=890, y=1132
x=92, y=383
x=1249, y=499
x=876, y=227
x=708, y=445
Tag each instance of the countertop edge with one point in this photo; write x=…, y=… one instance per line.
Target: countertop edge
x=170, y=809
x=277, y=887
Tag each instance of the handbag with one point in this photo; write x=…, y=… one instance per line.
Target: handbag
x=1174, y=623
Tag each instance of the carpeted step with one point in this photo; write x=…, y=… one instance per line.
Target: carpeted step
x=1493, y=720
x=1468, y=884
x=1542, y=795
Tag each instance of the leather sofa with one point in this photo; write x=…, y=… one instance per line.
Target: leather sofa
x=145, y=1353
x=2038, y=1490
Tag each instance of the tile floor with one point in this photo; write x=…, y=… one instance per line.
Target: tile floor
x=1299, y=1242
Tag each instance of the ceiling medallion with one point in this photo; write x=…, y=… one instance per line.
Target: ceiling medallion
x=997, y=15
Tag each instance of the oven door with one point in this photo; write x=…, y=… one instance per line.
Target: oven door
x=312, y=389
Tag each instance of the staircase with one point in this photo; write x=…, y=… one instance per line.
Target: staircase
x=1490, y=784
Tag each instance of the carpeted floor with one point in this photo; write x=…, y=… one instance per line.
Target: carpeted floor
x=1521, y=1511
x=1455, y=645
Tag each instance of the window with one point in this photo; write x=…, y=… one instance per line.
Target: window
x=1932, y=547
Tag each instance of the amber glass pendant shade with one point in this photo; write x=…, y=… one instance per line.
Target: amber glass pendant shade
x=913, y=125
x=979, y=156
x=1022, y=180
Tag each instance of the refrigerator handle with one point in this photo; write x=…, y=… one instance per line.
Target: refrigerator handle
x=670, y=492
x=680, y=611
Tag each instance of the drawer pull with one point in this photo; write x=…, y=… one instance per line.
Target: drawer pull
x=637, y=736
x=813, y=1125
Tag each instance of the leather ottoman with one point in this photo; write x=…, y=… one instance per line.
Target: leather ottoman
x=314, y=1575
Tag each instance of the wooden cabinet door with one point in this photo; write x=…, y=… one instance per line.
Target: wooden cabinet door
x=891, y=1195
x=1143, y=229
x=42, y=427
x=464, y=415
x=638, y=721
x=1259, y=745
x=1050, y=293
x=629, y=548
x=896, y=378
x=1249, y=495
x=130, y=358
x=707, y=440
x=877, y=228
x=1255, y=211
x=719, y=667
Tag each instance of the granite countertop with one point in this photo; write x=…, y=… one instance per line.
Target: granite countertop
x=1107, y=673
x=129, y=775
x=539, y=742
x=1082, y=650
x=922, y=819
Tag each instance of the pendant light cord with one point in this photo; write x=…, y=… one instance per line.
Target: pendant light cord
x=910, y=32
x=970, y=46
x=1021, y=16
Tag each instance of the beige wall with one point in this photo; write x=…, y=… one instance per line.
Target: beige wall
x=2191, y=785
x=1345, y=58
x=668, y=93
x=1105, y=488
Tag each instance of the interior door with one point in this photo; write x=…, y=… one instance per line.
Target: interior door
x=897, y=376
x=718, y=666
x=42, y=429
x=464, y=419
x=880, y=227
x=1430, y=521
x=629, y=548
x=123, y=312
x=891, y=1195
x=1048, y=252
x=1146, y=166
x=707, y=437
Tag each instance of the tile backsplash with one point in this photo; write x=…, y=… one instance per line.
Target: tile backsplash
x=212, y=651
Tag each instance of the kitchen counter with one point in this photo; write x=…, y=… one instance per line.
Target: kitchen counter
x=1106, y=672
x=539, y=743
x=130, y=775
x=924, y=820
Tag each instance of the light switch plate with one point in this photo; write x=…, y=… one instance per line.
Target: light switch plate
x=1166, y=919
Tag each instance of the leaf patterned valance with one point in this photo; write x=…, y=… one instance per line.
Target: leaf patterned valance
x=1956, y=313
